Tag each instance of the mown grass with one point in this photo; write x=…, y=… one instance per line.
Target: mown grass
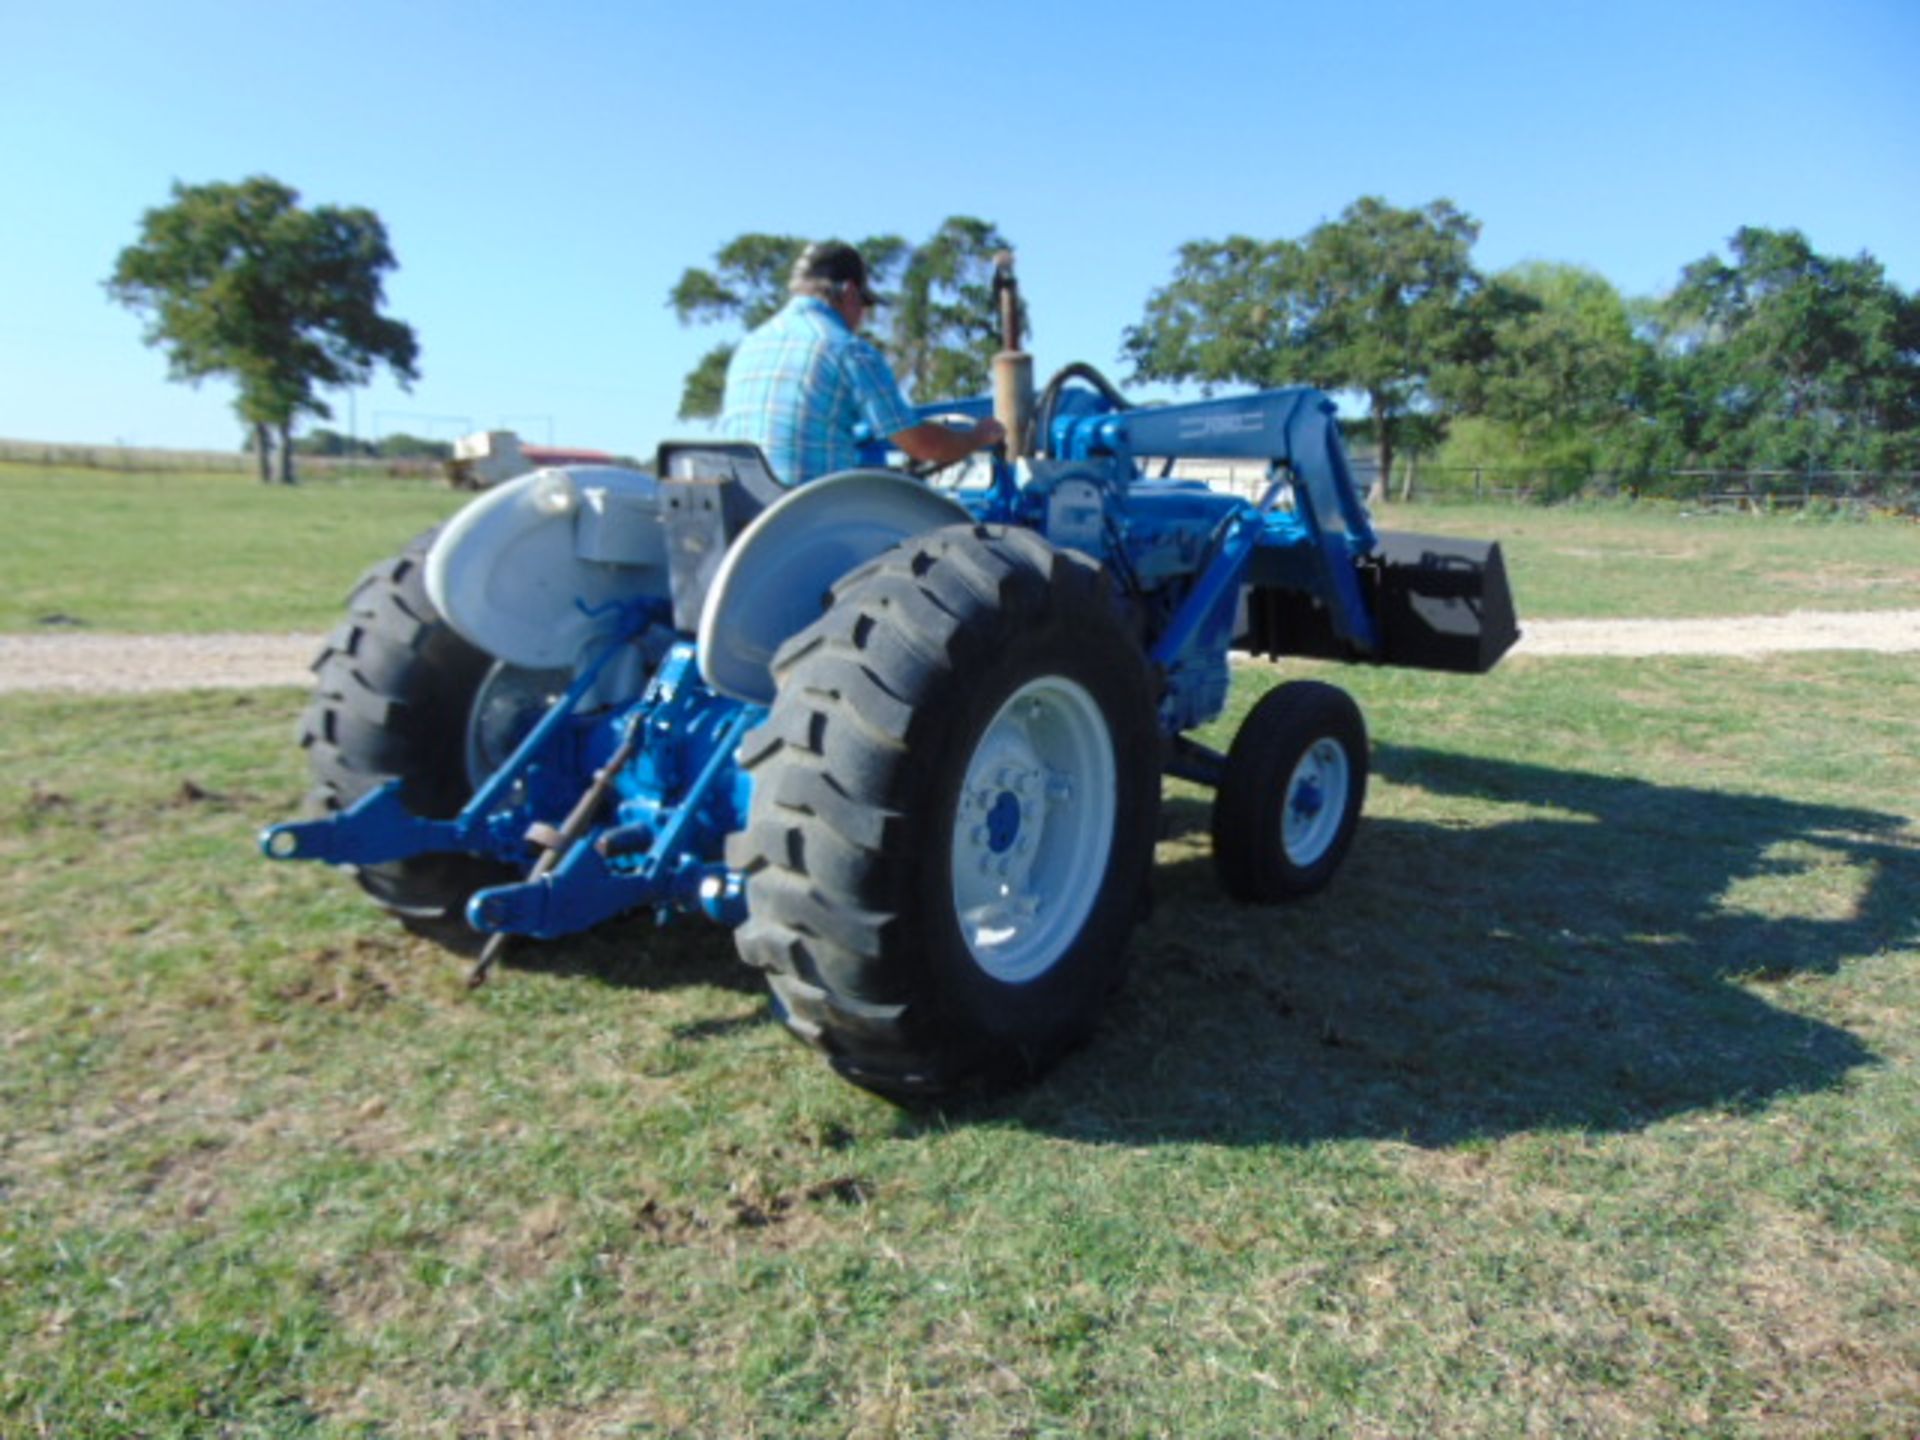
x=1586, y=1102
x=165, y=552
x=1656, y=560
x=157, y=553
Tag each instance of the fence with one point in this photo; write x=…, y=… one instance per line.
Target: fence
x=148, y=460
x=1895, y=490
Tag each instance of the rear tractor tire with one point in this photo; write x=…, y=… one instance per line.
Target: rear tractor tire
x=1289, y=799
x=955, y=800
x=398, y=695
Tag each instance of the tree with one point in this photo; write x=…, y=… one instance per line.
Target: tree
x=1789, y=359
x=1559, y=390
x=323, y=441
x=402, y=446
x=945, y=326
x=241, y=281
x=943, y=329
x=1382, y=301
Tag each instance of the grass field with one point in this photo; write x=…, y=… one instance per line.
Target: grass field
x=1658, y=561
x=158, y=553
x=1587, y=1102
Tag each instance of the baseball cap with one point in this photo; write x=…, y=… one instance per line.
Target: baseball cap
x=834, y=261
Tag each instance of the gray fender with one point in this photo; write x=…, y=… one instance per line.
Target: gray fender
x=517, y=571
x=774, y=580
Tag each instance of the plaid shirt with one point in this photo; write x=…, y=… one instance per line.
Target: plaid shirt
x=798, y=385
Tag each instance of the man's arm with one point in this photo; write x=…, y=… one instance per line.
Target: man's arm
x=885, y=409
x=938, y=444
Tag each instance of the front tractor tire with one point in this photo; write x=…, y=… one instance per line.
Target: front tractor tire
x=955, y=800
x=1290, y=795
x=395, y=691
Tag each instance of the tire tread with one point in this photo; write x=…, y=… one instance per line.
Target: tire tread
x=823, y=850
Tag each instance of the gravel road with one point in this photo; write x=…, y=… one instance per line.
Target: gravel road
x=104, y=664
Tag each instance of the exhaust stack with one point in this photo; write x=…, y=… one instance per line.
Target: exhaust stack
x=1012, y=367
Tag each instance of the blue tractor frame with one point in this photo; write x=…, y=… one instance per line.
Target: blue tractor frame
x=603, y=811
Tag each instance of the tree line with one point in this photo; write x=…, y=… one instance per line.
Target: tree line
x=330, y=443
x=1771, y=357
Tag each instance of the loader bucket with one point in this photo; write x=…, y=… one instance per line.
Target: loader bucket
x=1442, y=604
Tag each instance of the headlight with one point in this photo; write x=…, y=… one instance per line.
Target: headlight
x=553, y=493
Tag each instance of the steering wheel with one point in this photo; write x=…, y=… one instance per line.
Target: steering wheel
x=955, y=470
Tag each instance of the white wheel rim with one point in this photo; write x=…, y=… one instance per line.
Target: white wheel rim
x=1315, y=802
x=1033, y=829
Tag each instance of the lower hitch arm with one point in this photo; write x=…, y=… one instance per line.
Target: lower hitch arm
x=557, y=843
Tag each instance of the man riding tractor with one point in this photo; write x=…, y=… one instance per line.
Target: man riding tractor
x=799, y=384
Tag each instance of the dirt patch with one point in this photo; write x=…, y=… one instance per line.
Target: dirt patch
x=359, y=979
x=778, y=1218
x=109, y=664
x=145, y=664
x=1885, y=631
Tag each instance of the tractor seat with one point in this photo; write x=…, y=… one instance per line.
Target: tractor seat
x=710, y=490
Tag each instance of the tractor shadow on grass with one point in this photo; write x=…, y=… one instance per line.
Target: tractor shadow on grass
x=636, y=953
x=1569, y=963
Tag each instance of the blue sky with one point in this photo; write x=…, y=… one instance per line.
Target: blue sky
x=546, y=172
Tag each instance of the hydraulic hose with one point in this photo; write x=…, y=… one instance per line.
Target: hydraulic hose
x=1050, y=397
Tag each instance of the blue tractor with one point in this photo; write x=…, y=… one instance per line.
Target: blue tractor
x=905, y=738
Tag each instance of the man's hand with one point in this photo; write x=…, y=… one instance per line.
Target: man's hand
x=937, y=444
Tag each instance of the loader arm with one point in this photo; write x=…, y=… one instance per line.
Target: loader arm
x=1293, y=427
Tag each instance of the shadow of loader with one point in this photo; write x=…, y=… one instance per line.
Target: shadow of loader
x=1572, y=965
